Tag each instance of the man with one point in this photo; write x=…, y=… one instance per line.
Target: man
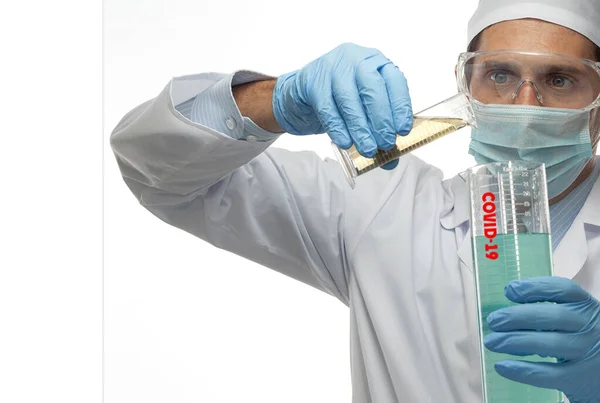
x=396, y=250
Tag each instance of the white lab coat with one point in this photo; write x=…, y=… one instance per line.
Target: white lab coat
x=396, y=250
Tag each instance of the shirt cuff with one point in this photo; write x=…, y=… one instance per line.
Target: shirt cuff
x=216, y=108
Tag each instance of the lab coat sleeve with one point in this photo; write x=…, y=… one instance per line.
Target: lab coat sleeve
x=284, y=210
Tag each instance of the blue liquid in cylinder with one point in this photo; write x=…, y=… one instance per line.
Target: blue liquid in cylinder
x=520, y=256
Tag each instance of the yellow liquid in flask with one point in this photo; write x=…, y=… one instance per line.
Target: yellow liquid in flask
x=424, y=131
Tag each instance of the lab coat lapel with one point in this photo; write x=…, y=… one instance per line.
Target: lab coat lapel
x=572, y=252
x=465, y=251
x=457, y=219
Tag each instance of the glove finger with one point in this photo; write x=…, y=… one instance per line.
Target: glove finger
x=332, y=121
x=397, y=89
x=548, y=317
x=540, y=374
x=375, y=101
x=346, y=96
x=545, y=289
x=544, y=344
x=390, y=165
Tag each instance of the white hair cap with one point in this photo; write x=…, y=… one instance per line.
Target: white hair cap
x=581, y=16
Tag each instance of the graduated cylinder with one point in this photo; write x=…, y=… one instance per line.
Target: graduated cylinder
x=510, y=229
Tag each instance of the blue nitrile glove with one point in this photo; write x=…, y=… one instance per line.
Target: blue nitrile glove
x=568, y=330
x=355, y=94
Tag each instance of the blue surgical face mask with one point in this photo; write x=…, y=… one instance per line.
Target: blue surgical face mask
x=559, y=138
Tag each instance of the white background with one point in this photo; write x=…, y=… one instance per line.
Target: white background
x=186, y=322
x=51, y=201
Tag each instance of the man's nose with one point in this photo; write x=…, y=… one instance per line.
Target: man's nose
x=527, y=93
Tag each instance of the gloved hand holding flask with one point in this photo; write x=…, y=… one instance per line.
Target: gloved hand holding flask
x=361, y=100
x=355, y=94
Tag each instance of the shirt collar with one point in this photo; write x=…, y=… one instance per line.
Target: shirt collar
x=590, y=213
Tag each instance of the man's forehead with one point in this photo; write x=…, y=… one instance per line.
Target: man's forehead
x=536, y=36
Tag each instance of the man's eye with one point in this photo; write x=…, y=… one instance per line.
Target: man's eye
x=499, y=77
x=560, y=82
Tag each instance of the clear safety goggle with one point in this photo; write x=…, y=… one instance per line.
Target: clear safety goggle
x=544, y=79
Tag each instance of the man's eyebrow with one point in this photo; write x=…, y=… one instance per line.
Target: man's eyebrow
x=562, y=68
x=546, y=68
x=497, y=64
